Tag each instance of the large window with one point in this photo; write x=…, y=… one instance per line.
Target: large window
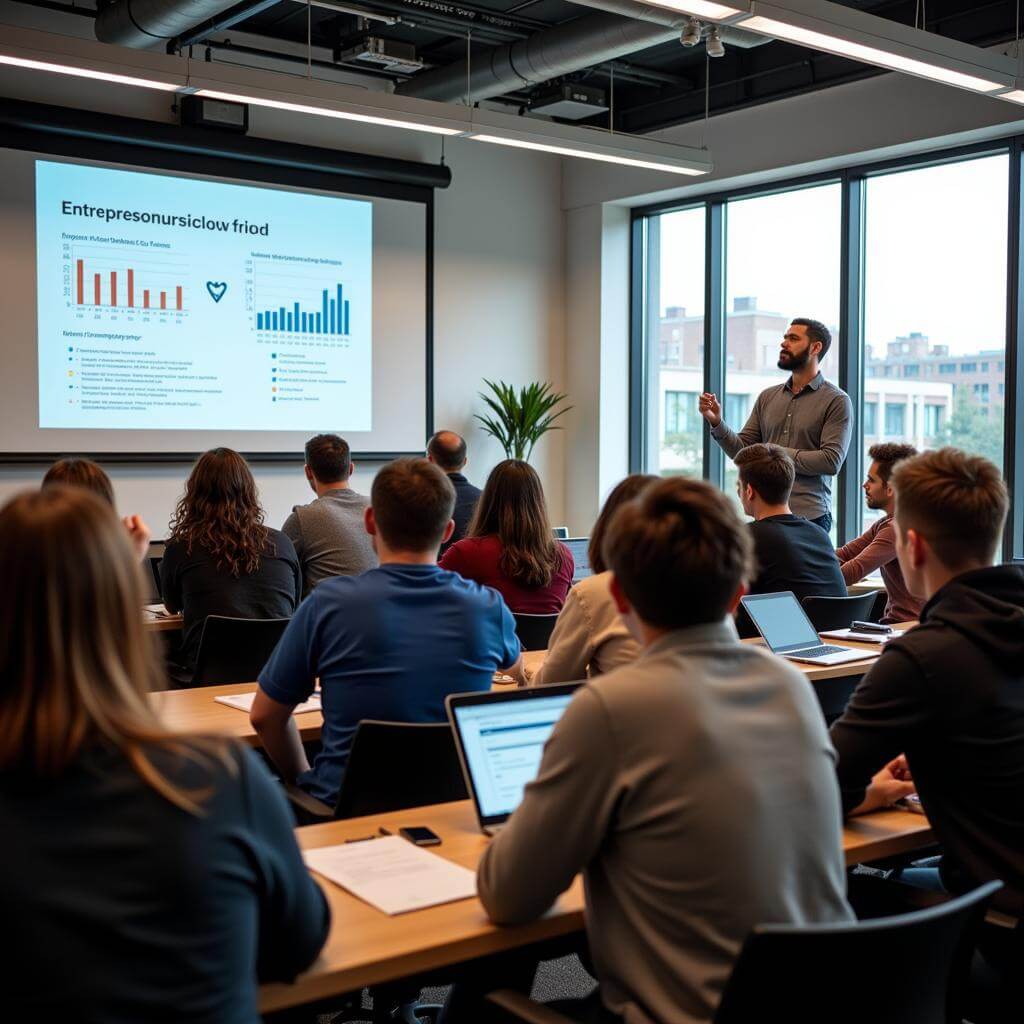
x=907, y=264
x=782, y=261
x=935, y=304
x=674, y=341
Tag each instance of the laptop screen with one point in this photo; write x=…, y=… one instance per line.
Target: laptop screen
x=781, y=621
x=579, y=547
x=502, y=741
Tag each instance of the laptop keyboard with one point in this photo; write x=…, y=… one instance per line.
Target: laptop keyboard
x=818, y=652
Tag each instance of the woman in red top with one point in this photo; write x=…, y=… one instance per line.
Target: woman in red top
x=509, y=545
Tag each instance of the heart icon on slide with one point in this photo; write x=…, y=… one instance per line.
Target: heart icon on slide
x=216, y=289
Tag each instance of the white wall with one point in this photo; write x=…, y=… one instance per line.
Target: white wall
x=498, y=279
x=597, y=359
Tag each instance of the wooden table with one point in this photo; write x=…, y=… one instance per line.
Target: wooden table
x=366, y=947
x=162, y=624
x=195, y=710
x=866, y=586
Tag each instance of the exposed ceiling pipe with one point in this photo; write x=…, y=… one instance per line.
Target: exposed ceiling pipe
x=548, y=54
x=661, y=16
x=144, y=23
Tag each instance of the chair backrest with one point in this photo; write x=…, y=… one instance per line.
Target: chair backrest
x=881, y=603
x=395, y=765
x=838, y=612
x=534, y=631
x=234, y=650
x=909, y=969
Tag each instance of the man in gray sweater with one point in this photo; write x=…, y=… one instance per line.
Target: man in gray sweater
x=694, y=788
x=329, y=534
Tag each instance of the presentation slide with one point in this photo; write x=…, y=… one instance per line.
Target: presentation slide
x=177, y=303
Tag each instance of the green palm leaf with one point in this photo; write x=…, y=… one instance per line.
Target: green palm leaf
x=520, y=418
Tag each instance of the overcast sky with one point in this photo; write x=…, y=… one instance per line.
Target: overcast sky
x=936, y=255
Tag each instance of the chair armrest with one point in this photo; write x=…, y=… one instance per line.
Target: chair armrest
x=307, y=809
x=505, y=1004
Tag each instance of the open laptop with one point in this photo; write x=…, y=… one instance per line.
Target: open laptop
x=500, y=738
x=579, y=547
x=789, y=633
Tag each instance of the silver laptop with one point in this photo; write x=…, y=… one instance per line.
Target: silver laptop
x=579, y=547
x=500, y=737
x=789, y=633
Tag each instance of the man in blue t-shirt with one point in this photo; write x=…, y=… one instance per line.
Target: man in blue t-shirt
x=390, y=644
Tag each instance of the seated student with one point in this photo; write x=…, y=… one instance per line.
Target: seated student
x=390, y=644
x=328, y=533
x=949, y=695
x=590, y=636
x=145, y=875
x=447, y=450
x=791, y=552
x=692, y=788
x=875, y=548
x=220, y=559
x=510, y=546
x=85, y=473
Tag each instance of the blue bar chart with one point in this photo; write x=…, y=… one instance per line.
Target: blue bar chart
x=331, y=316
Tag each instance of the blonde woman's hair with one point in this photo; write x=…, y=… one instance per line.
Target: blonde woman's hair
x=76, y=665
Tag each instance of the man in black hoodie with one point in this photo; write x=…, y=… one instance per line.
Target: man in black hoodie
x=950, y=694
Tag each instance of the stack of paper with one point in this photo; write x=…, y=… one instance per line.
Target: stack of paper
x=243, y=701
x=392, y=875
x=864, y=638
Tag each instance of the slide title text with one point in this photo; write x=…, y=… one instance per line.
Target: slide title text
x=106, y=213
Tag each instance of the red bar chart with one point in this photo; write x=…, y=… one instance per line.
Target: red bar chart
x=109, y=279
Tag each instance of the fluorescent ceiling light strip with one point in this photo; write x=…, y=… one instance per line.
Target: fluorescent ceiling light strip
x=698, y=8
x=586, y=154
x=867, y=54
x=342, y=115
x=1015, y=96
x=102, y=76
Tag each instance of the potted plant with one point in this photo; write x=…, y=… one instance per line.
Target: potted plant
x=520, y=419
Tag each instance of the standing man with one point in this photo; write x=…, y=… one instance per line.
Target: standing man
x=328, y=533
x=875, y=548
x=807, y=416
x=447, y=450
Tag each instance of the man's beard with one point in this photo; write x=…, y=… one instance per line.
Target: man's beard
x=792, y=362
x=874, y=505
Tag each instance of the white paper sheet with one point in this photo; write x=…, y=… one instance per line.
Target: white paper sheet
x=392, y=875
x=156, y=611
x=243, y=702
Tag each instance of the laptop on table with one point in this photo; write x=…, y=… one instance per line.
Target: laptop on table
x=579, y=547
x=789, y=633
x=500, y=738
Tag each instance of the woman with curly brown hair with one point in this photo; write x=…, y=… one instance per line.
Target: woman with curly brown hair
x=220, y=559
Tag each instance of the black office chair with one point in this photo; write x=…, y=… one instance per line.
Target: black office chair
x=838, y=612
x=234, y=650
x=392, y=766
x=806, y=974
x=534, y=631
